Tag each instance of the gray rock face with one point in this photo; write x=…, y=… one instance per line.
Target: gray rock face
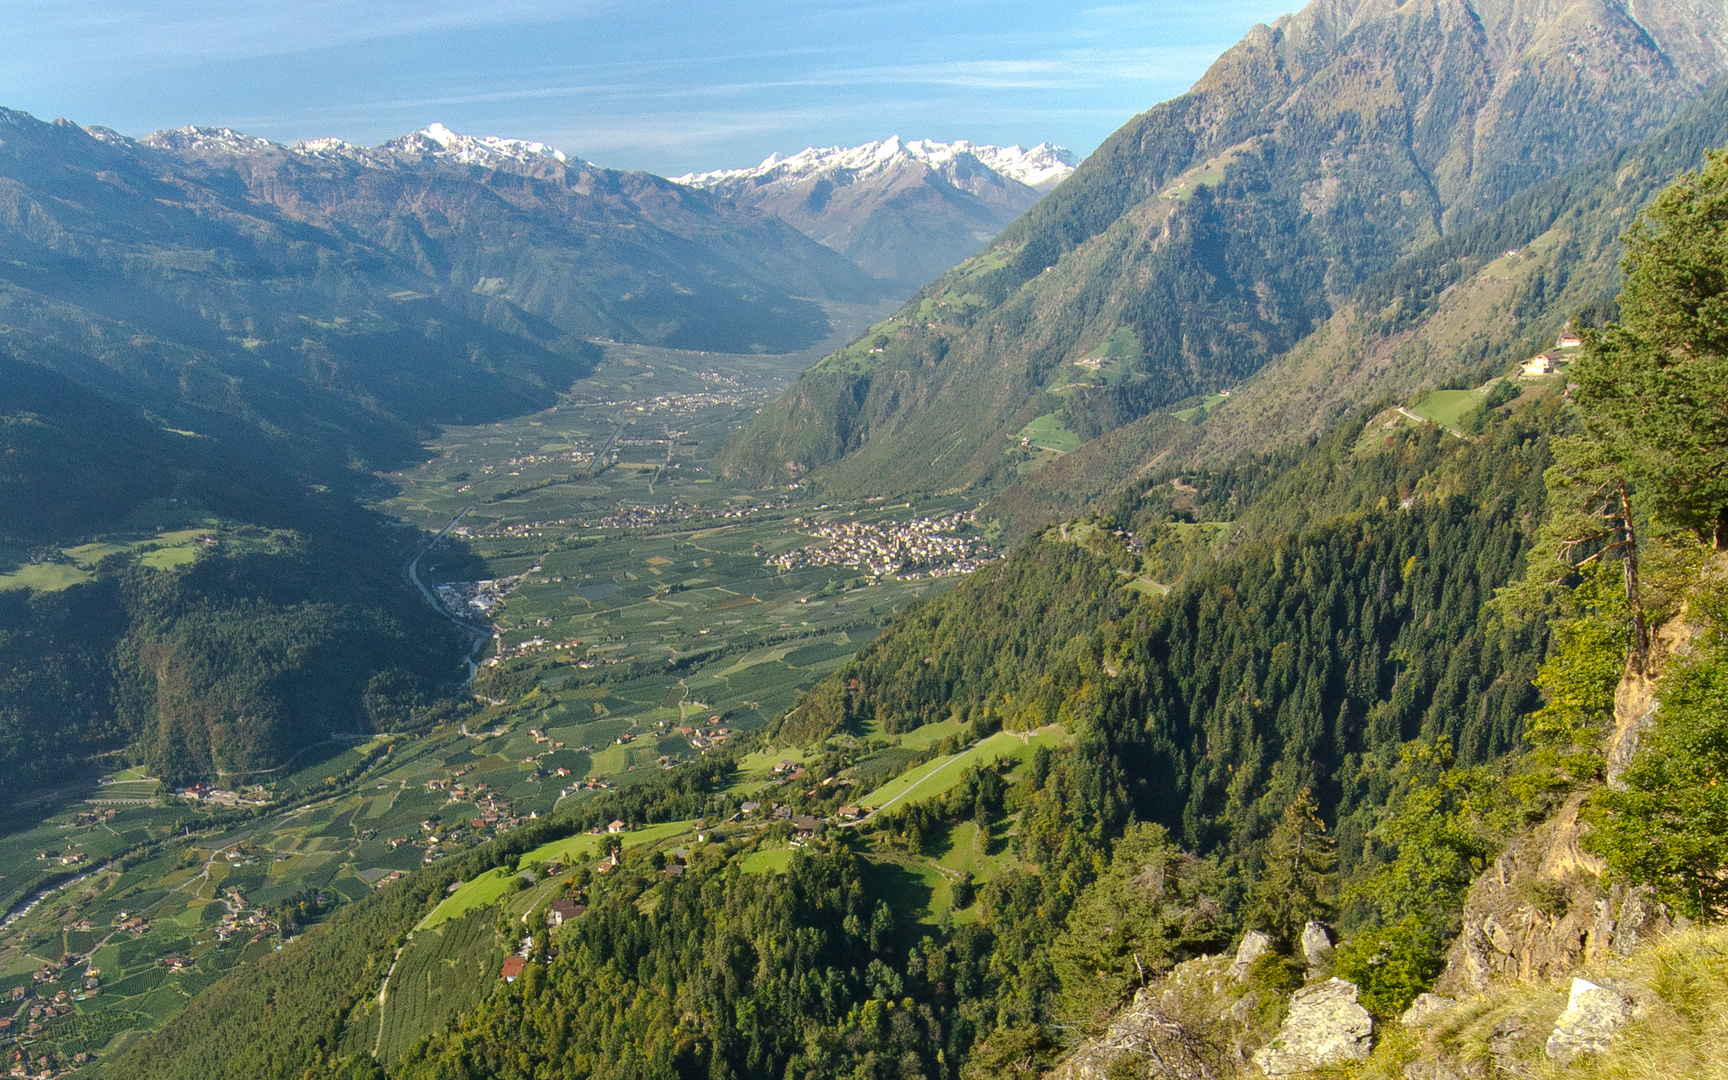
x=1317, y=949
x=1593, y=1014
x=1254, y=945
x=1325, y=1026
x=1424, y=1009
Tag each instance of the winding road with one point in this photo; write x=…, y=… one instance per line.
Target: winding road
x=411, y=571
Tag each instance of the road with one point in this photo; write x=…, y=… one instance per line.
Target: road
x=481, y=634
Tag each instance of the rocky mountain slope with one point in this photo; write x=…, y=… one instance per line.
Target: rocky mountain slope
x=1219, y=230
x=905, y=211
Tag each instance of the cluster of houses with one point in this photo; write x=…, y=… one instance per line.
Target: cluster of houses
x=518, y=531
x=535, y=644
x=705, y=739
x=30, y=1015
x=924, y=547
x=239, y=918
x=471, y=599
x=202, y=792
x=637, y=517
x=753, y=508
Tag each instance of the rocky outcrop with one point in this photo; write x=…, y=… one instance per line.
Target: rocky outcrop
x=1593, y=1014
x=1634, y=714
x=1254, y=946
x=1635, y=701
x=1325, y=1026
x=1317, y=950
x=1540, y=912
x=1183, y=1026
x=1425, y=1008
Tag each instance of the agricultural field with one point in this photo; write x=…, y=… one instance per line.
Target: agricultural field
x=73, y=566
x=1447, y=407
x=638, y=622
x=1048, y=433
x=936, y=777
x=439, y=973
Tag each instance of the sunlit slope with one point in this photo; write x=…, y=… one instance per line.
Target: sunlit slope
x=1221, y=228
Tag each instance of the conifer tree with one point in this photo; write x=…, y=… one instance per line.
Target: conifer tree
x=1297, y=874
x=1654, y=387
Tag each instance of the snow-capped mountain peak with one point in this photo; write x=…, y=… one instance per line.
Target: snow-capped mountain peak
x=487, y=150
x=195, y=137
x=325, y=146
x=435, y=142
x=1042, y=166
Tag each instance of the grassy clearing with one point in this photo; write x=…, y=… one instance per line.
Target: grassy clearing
x=773, y=861
x=562, y=851
x=1207, y=404
x=1048, y=433
x=44, y=577
x=931, y=734
x=914, y=888
x=935, y=777
x=1447, y=407
x=974, y=851
x=165, y=551
x=483, y=891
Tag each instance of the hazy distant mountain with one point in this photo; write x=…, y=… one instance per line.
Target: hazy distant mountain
x=205, y=325
x=1216, y=231
x=904, y=211
x=597, y=252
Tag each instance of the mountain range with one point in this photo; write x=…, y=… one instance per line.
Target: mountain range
x=1332, y=633
x=349, y=297
x=904, y=211
x=1216, y=232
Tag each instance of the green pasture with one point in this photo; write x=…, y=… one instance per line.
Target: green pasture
x=767, y=861
x=1048, y=432
x=482, y=891
x=935, y=777
x=1207, y=404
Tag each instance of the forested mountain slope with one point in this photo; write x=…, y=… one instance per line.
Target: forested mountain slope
x=1454, y=312
x=1204, y=712
x=1334, y=682
x=1215, y=232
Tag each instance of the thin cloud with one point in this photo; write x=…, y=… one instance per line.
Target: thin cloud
x=189, y=31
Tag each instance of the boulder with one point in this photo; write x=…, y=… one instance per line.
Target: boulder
x=1424, y=1009
x=1325, y=1026
x=1254, y=945
x=1317, y=949
x=1593, y=1014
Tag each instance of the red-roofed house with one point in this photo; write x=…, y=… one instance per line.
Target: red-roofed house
x=513, y=967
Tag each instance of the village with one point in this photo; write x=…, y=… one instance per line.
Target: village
x=921, y=548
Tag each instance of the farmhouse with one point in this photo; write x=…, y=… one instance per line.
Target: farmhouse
x=1540, y=364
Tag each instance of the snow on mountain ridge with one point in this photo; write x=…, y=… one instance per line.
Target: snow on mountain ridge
x=435, y=141
x=472, y=149
x=198, y=137
x=1040, y=166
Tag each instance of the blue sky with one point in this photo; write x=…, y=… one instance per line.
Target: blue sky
x=668, y=86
